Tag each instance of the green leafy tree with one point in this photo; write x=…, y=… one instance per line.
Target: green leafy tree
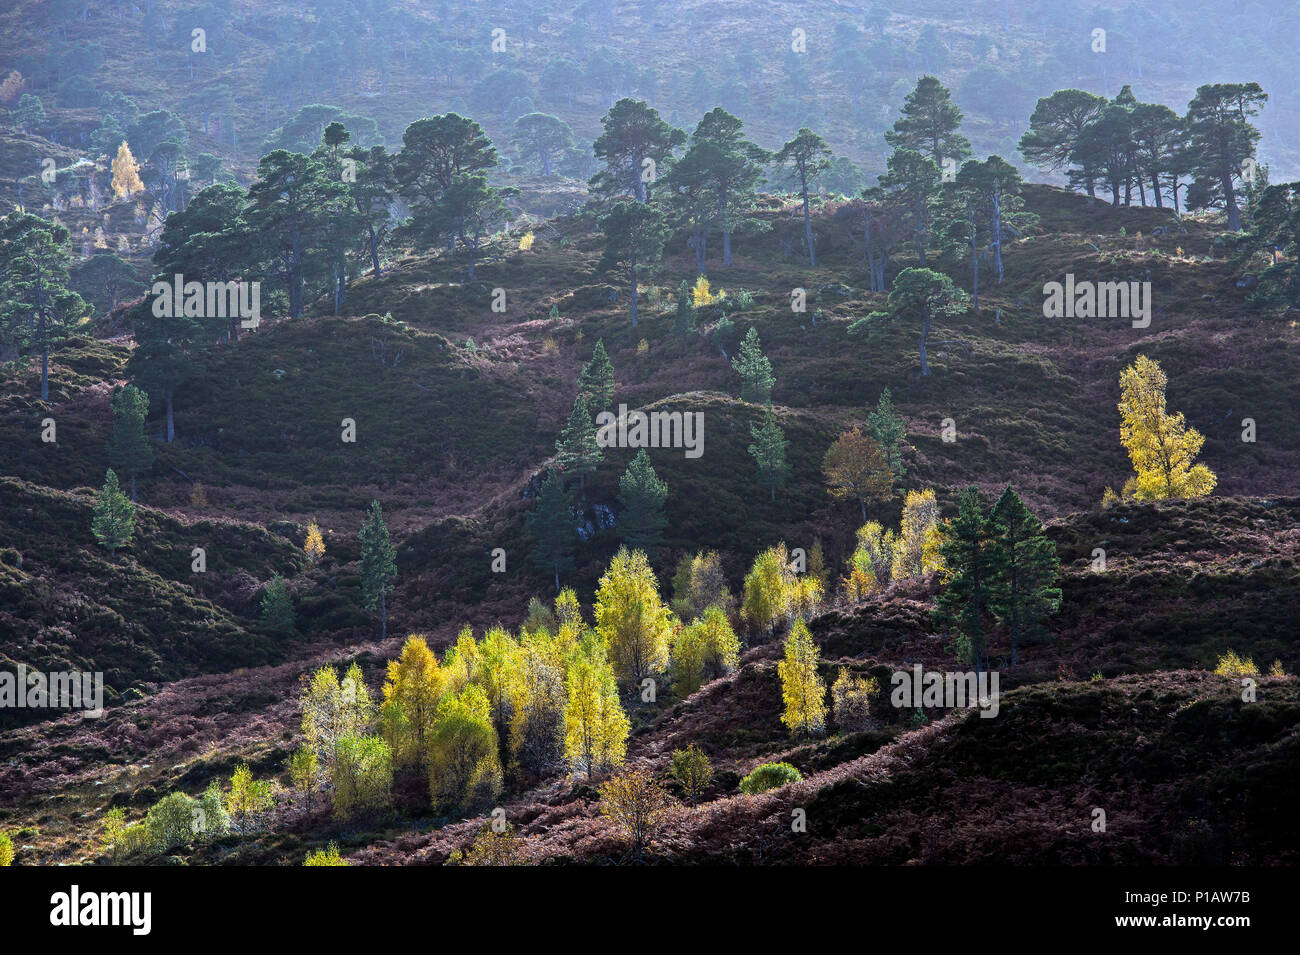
x=929, y=124
x=733, y=170
x=908, y=188
x=1056, y=128
x=803, y=160
x=755, y=370
x=277, y=606
x=889, y=430
x=596, y=380
x=693, y=772
x=129, y=450
x=921, y=295
x=378, y=564
x=635, y=234
x=552, y=527
x=543, y=137
x=37, y=308
x=576, y=449
x=970, y=555
x=1222, y=139
x=635, y=145
x=113, y=522
x=642, y=496
x=768, y=451
x=1025, y=572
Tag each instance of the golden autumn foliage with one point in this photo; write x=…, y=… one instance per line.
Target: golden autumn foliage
x=126, y=173
x=526, y=241
x=802, y=688
x=595, y=728
x=411, y=695
x=314, y=546
x=631, y=618
x=916, y=548
x=701, y=294
x=1160, y=444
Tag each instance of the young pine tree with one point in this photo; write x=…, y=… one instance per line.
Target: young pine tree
x=969, y=552
x=113, y=522
x=1025, y=570
x=768, y=451
x=576, y=449
x=128, y=446
x=596, y=381
x=378, y=564
x=277, y=606
x=552, y=527
x=755, y=370
x=889, y=430
x=642, y=496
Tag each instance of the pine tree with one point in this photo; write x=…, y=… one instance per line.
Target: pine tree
x=128, y=446
x=113, y=522
x=576, y=449
x=596, y=381
x=768, y=450
x=552, y=527
x=126, y=173
x=802, y=688
x=642, y=496
x=755, y=370
x=1160, y=444
x=929, y=124
x=969, y=552
x=804, y=159
x=889, y=430
x=1025, y=570
x=378, y=564
x=277, y=606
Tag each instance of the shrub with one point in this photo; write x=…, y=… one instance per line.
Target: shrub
x=327, y=856
x=636, y=803
x=170, y=821
x=494, y=848
x=769, y=776
x=277, y=606
x=113, y=828
x=362, y=776
x=692, y=769
x=6, y=850
x=212, y=819
x=1232, y=665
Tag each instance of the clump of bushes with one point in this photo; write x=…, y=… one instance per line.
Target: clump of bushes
x=1232, y=665
x=327, y=856
x=769, y=776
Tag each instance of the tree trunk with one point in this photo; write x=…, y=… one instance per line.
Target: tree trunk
x=171, y=423
x=132, y=488
x=634, y=294
x=383, y=616
x=807, y=222
x=925, y=334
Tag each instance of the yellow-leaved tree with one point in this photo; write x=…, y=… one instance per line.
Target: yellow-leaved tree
x=595, y=727
x=1161, y=445
x=411, y=695
x=126, y=173
x=802, y=689
x=631, y=619
x=916, y=549
x=767, y=588
x=314, y=546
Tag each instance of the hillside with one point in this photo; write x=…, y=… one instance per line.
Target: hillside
x=1034, y=400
